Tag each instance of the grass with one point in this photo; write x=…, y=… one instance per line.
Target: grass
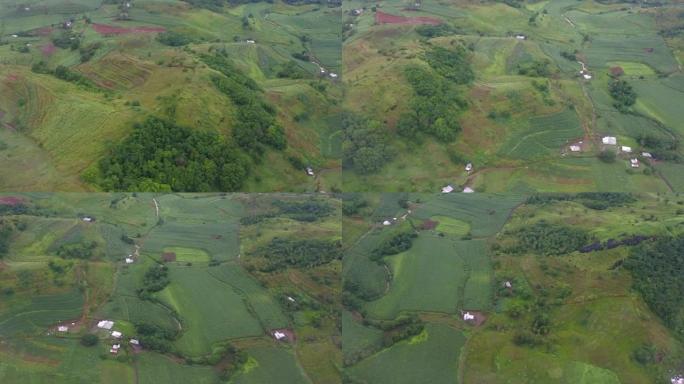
x=271, y=364
x=195, y=296
x=451, y=226
x=433, y=360
x=188, y=255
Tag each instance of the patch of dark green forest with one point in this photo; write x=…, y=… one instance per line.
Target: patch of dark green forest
x=365, y=146
x=307, y=211
x=657, y=268
x=281, y=253
x=592, y=200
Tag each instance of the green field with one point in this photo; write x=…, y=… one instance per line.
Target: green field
x=432, y=358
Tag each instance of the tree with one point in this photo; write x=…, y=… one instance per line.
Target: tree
x=607, y=156
x=89, y=340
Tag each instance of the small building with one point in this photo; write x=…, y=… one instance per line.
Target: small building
x=105, y=324
x=507, y=284
x=647, y=154
x=677, y=379
x=62, y=328
x=586, y=76
x=88, y=219
x=521, y=37
x=469, y=167
x=575, y=148
x=634, y=163
x=134, y=341
x=115, y=349
x=386, y=222
x=291, y=299
x=309, y=171
x=15, y=36
x=129, y=260
x=333, y=75
x=116, y=334
x=279, y=335
x=609, y=140
x=448, y=189
x=357, y=12
x=626, y=149
x=250, y=41
x=468, y=316
x=468, y=190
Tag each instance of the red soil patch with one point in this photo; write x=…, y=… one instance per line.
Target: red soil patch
x=12, y=77
x=617, y=71
x=429, y=224
x=105, y=29
x=48, y=49
x=386, y=18
x=168, y=257
x=11, y=200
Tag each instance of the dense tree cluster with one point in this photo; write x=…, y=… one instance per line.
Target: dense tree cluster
x=352, y=204
x=546, y=238
x=592, y=200
x=162, y=156
x=535, y=68
x=67, y=40
x=87, y=52
x=285, y=252
x=155, y=279
x=256, y=124
x=365, y=146
x=155, y=338
x=79, y=250
x=173, y=39
x=453, y=64
x=396, y=244
x=6, y=231
x=660, y=147
x=433, y=109
x=308, y=211
x=431, y=31
x=623, y=94
x=63, y=73
x=657, y=268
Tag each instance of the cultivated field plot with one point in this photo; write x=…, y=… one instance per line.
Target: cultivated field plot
x=76, y=78
x=540, y=84
x=154, y=288
x=520, y=289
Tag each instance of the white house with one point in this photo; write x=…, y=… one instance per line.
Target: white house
x=309, y=171
x=386, y=222
x=333, y=75
x=646, y=154
x=677, y=379
x=116, y=334
x=134, y=342
x=105, y=324
x=115, y=348
x=250, y=41
x=469, y=167
x=520, y=37
x=508, y=284
x=448, y=189
x=468, y=190
x=609, y=140
x=586, y=76
x=634, y=163
x=290, y=298
x=279, y=335
x=62, y=328
x=467, y=316
x=87, y=219
x=575, y=148
x=626, y=149
x=129, y=260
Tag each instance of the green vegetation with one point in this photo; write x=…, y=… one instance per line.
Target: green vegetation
x=549, y=239
x=283, y=252
x=657, y=269
x=162, y=156
x=623, y=93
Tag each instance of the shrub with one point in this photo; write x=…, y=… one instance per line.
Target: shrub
x=89, y=340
